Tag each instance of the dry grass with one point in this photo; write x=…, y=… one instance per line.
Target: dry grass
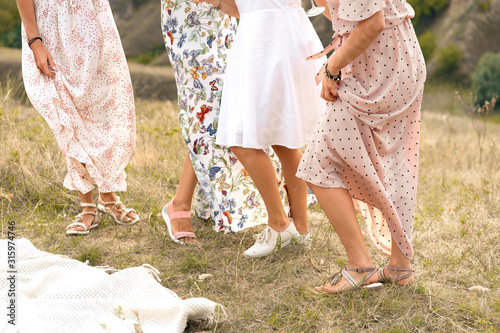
x=457, y=238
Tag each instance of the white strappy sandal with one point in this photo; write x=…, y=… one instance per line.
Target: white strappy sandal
x=117, y=206
x=71, y=229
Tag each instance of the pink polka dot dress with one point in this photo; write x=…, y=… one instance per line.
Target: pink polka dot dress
x=89, y=105
x=367, y=140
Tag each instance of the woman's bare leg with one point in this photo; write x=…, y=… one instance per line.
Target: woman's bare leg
x=87, y=219
x=296, y=187
x=399, y=260
x=339, y=208
x=261, y=170
x=183, y=198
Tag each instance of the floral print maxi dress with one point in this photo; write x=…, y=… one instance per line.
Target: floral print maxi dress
x=197, y=43
x=89, y=104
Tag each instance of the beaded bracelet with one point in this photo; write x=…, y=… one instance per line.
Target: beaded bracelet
x=332, y=77
x=219, y=5
x=32, y=40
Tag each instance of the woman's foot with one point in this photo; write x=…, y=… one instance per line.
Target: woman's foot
x=110, y=204
x=351, y=278
x=85, y=221
x=270, y=240
x=402, y=276
x=179, y=224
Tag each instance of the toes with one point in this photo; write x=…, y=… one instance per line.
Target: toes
x=326, y=288
x=189, y=240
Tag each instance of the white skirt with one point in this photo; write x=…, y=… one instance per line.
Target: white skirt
x=270, y=95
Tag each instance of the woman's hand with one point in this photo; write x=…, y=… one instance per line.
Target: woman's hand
x=43, y=59
x=42, y=56
x=329, y=86
x=329, y=90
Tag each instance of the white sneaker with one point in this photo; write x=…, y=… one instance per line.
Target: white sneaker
x=270, y=240
x=305, y=239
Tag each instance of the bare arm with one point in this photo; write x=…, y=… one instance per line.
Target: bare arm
x=322, y=3
x=43, y=58
x=363, y=34
x=227, y=6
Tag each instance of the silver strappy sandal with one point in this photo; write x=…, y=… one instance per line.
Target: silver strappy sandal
x=335, y=278
x=384, y=279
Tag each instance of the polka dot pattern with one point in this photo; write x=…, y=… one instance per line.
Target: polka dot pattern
x=89, y=105
x=367, y=140
x=345, y=14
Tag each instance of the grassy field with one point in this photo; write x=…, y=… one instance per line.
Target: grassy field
x=456, y=230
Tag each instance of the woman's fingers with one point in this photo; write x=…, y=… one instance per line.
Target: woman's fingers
x=329, y=90
x=52, y=66
x=44, y=67
x=44, y=60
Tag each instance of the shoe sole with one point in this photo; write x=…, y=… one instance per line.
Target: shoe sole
x=374, y=286
x=82, y=233
x=166, y=218
x=275, y=249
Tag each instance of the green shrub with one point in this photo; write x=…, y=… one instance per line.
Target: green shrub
x=485, y=5
x=10, y=29
x=426, y=10
x=448, y=62
x=486, y=78
x=427, y=43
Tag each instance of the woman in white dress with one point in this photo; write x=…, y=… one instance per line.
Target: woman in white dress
x=271, y=98
x=198, y=39
x=76, y=76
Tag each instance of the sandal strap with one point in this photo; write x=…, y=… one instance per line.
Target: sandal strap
x=173, y=215
x=360, y=269
x=118, y=201
x=87, y=213
x=403, y=269
x=383, y=278
x=399, y=278
x=331, y=278
x=349, y=278
x=381, y=275
x=183, y=234
x=370, y=270
x=77, y=224
x=85, y=204
x=125, y=213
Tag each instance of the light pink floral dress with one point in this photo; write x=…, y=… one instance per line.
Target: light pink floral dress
x=89, y=105
x=367, y=140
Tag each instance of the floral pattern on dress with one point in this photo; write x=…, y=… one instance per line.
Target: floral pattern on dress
x=197, y=43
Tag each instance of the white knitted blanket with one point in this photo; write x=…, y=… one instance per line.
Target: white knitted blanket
x=57, y=294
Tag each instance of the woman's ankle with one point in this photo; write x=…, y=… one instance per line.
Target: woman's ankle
x=181, y=205
x=279, y=224
x=108, y=196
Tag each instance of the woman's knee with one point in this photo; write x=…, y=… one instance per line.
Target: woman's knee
x=242, y=153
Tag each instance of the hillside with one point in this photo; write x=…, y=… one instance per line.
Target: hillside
x=145, y=37
x=473, y=25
